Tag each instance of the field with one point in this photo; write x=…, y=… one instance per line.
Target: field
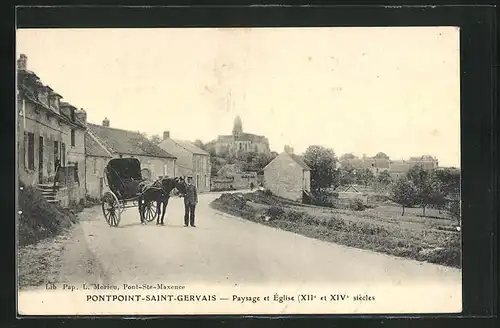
x=433, y=238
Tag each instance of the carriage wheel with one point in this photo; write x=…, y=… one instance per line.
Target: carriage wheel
x=111, y=209
x=150, y=211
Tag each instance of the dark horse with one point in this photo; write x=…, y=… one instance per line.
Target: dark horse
x=159, y=192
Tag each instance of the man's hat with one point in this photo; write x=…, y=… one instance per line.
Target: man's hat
x=190, y=178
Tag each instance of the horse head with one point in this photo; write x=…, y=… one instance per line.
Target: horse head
x=174, y=183
x=180, y=184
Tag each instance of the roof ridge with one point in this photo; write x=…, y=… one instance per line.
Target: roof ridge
x=134, y=139
x=101, y=142
x=118, y=129
x=180, y=141
x=298, y=159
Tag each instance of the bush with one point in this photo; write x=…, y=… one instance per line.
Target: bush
x=453, y=208
x=323, y=198
x=294, y=216
x=38, y=218
x=357, y=205
x=267, y=192
x=275, y=211
x=335, y=223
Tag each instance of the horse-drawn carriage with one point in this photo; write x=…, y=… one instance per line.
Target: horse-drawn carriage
x=126, y=188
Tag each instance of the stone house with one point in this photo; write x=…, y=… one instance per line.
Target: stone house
x=105, y=142
x=50, y=136
x=191, y=160
x=288, y=176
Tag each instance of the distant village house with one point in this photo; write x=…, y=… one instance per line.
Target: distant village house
x=288, y=176
x=395, y=168
x=191, y=160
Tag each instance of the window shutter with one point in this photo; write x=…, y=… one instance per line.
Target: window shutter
x=25, y=157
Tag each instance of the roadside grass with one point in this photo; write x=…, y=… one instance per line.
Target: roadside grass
x=42, y=229
x=380, y=231
x=39, y=219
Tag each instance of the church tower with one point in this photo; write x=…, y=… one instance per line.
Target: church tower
x=237, y=126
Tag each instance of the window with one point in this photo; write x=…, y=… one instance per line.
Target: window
x=25, y=150
x=56, y=153
x=72, y=138
x=63, y=154
x=95, y=165
x=76, y=173
x=29, y=148
x=165, y=172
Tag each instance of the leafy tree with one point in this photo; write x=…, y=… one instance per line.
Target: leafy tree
x=260, y=160
x=384, y=178
x=435, y=195
x=247, y=156
x=453, y=207
x=156, y=139
x=381, y=156
x=216, y=164
x=210, y=148
x=365, y=177
x=430, y=189
x=198, y=143
x=404, y=193
x=450, y=181
x=346, y=176
x=347, y=157
x=322, y=162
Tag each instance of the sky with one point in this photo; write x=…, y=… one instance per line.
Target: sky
x=356, y=90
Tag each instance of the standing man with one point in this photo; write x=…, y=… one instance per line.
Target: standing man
x=190, y=201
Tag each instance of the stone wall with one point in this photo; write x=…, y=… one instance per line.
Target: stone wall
x=284, y=178
x=95, y=180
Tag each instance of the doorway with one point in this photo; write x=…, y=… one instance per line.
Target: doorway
x=40, y=160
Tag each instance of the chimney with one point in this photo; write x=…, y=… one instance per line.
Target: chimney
x=82, y=116
x=166, y=135
x=22, y=62
x=288, y=149
x=105, y=122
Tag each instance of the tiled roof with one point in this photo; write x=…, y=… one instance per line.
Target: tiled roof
x=26, y=88
x=128, y=142
x=93, y=148
x=300, y=161
x=191, y=147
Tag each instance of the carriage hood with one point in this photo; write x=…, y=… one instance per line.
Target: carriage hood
x=123, y=169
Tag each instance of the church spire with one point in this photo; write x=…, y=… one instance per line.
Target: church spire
x=237, y=126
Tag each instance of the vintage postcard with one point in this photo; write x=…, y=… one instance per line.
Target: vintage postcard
x=238, y=171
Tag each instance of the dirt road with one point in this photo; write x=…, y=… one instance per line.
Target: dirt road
x=222, y=249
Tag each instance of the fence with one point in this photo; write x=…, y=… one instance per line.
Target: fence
x=67, y=184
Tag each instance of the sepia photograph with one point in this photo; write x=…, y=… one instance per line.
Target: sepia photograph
x=213, y=171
